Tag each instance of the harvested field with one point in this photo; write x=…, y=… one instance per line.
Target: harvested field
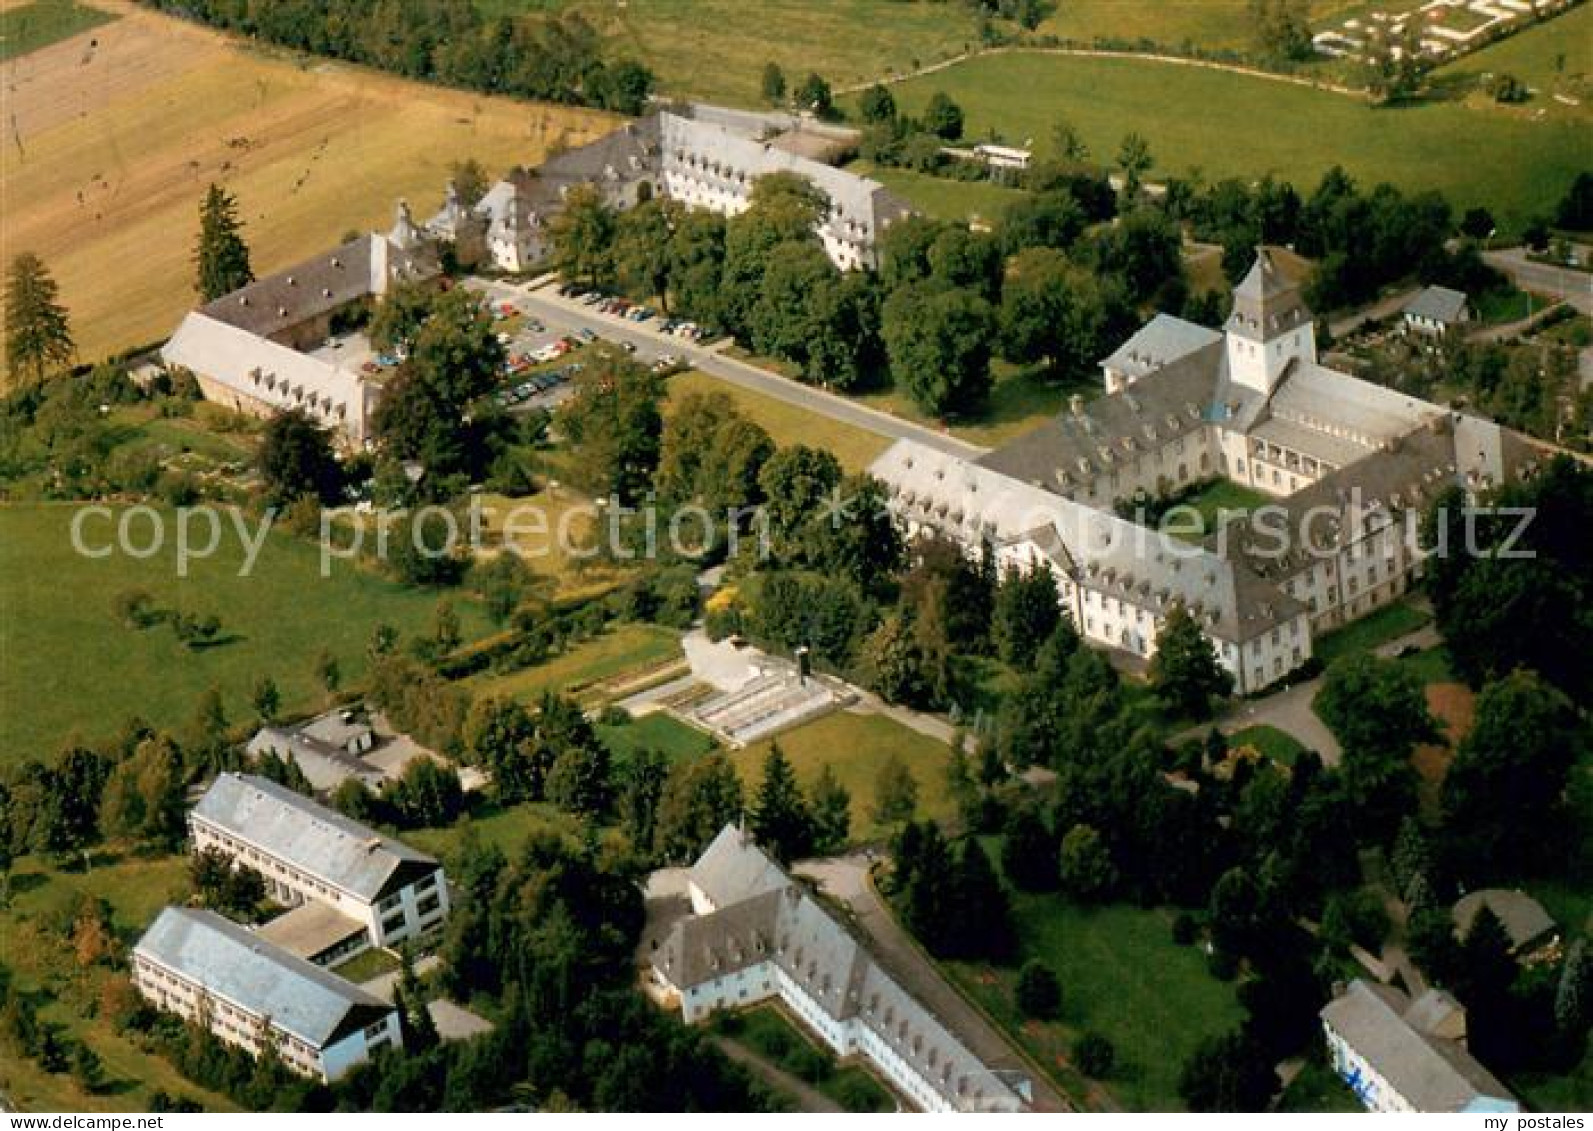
x=110, y=147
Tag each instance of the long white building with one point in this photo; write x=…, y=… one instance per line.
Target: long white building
x=348, y=887
x=704, y=158
x=267, y=347
x=253, y=994
x=1349, y=466
x=755, y=935
x=1403, y=1056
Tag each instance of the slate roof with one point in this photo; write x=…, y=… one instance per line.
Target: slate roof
x=1173, y=401
x=1268, y=302
x=326, y=766
x=971, y=502
x=726, y=871
x=241, y=967
x=1337, y=404
x=258, y=367
x=1432, y=1073
x=1437, y=304
x=319, y=841
x=320, y=284
x=774, y=919
x=1524, y=919
x=702, y=147
x=1162, y=340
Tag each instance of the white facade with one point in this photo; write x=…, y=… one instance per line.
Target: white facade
x=410, y=912
x=172, y=991
x=256, y=996
x=1401, y=1056
x=755, y=936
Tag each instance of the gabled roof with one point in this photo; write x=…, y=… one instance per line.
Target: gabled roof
x=267, y=371
x=1437, y=304
x=763, y=915
x=731, y=869
x=319, y=841
x=1432, y=1074
x=1110, y=554
x=241, y=967
x=1162, y=340
x=1074, y=446
x=1524, y=919
x=326, y=765
x=320, y=284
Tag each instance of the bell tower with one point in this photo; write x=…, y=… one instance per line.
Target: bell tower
x=1270, y=326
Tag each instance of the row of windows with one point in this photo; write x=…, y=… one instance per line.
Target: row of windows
x=266, y=862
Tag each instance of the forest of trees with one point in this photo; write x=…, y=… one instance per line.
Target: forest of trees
x=557, y=58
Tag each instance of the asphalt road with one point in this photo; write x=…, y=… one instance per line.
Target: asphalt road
x=1574, y=287
x=651, y=344
x=846, y=879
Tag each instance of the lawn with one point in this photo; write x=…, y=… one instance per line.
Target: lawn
x=1430, y=665
x=1513, y=164
x=1224, y=496
x=856, y=746
x=667, y=735
x=109, y=150
x=941, y=197
x=505, y=828
x=769, y=1032
x=1508, y=304
x=1370, y=632
x=785, y=423
x=1020, y=399
x=555, y=532
x=715, y=50
x=367, y=964
x=1123, y=977
x=626, y=648
x=1544, y=57
x=1278, y=745
x=1572, y=1092
x=68, y=666
x=1204, y=23
x=31, y=947
x=28, y=27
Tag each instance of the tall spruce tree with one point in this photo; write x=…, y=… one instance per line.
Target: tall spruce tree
x=38, y=331
x=221, y=260
x=831, y=806
x=780, y=817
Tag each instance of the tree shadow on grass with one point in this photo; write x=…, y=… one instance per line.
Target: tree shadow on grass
x=216, y=642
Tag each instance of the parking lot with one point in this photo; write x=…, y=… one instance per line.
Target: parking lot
x=544, y=348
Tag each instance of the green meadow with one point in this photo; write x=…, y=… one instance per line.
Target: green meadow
x=1226, y=124
x=69, y=666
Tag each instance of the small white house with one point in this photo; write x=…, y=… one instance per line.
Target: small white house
x=1437, y=311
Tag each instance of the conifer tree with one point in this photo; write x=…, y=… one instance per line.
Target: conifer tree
x=780, y=817
x=38, y=331
x=221, y=258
